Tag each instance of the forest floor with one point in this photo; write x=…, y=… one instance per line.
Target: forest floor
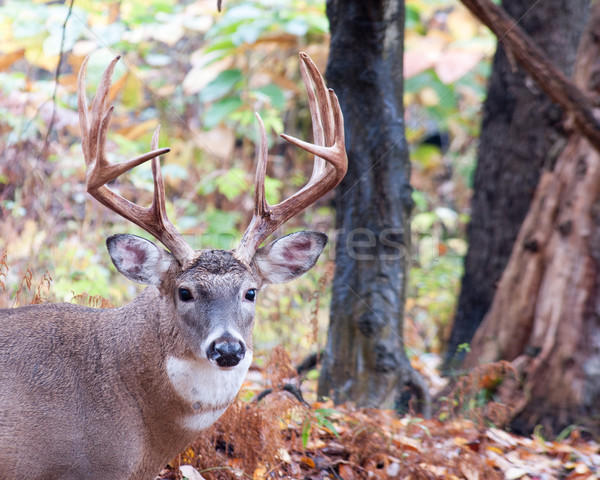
x=281, y=436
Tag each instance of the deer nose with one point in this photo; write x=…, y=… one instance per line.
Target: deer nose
x=227, y=352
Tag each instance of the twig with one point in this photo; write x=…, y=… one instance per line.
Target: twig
x=288, y=387
x=56, y=75
x=309, y=363
x=551, y=79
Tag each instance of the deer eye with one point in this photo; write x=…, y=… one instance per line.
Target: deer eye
x=250, y=294
x=185, y=295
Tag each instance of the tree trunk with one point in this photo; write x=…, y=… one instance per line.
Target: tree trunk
x=545, y=316
x=508, y=171
x=364, y=359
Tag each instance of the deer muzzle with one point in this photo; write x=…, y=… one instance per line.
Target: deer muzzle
x=226, y=351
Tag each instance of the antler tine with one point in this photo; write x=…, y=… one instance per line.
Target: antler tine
x=82, y=109
x=261, y=207
x=100, y=121
x=94, y=130
x=330, y=165
x=320, y=134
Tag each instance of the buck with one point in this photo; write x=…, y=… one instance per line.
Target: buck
x=117, y=393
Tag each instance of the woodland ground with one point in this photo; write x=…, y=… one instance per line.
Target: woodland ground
x=280, y=437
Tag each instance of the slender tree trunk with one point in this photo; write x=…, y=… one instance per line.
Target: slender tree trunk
x=521, y=134
x=545, y=316
x=364, y=360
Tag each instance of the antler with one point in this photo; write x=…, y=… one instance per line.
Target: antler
x=329, y=168
x=99, y=171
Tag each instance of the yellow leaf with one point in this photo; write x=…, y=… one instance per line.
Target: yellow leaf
x=10, y=58
x=116, y=88
x=461, y=24
x=308, y=461
x=36, y=56
x=259, y=473
x=497, y=450
x=138, y=130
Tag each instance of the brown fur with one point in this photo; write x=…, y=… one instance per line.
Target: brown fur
x=86, y=394
x=49, y=392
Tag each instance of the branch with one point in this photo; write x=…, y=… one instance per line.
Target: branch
x=56, y=79
x=550, y=79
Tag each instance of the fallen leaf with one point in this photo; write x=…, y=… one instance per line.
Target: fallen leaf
x=497, y=450
x=404, y=442
x=284, y=455
x=393, y=469
x=190, y=473
x=514, y=473
x=501, y=437
x=346, y=472
x=259, y=473
x=469, y=471
x=309, y=462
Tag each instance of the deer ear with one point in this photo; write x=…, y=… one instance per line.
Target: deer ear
x=289, y=257
x=139, y=259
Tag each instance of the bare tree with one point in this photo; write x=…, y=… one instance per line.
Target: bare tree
x=365, y=359
x=545, y=316
x=507, y=172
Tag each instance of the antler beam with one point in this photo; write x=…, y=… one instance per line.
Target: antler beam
x=99, y=171
x=330, y=166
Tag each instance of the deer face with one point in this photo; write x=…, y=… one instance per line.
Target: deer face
x=213, y=298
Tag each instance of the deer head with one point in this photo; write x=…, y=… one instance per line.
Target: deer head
x=214, y=292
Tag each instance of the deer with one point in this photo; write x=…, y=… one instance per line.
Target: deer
x=117, y=393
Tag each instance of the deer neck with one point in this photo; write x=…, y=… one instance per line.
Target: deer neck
x=180, y=392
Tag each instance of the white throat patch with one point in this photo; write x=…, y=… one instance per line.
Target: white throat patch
x=207, y=388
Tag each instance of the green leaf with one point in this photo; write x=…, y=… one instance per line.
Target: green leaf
x=251, y=32
x=422, y=222
x=323, y=415
x=273, y=189
x=221, y=85
x=274, y=94
x=244, y=11
x=428, y=78
x=306, y=426
x=225, y=44
x=318, y=23
x=428, y=156
x=419, y=199
x=329, y=426
x=220, y=110
x=412, y=18
x=297, y=27
x=231, y=184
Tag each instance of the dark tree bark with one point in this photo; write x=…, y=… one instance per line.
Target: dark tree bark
x=521, y=135
x=364, y=360
x=545, y=316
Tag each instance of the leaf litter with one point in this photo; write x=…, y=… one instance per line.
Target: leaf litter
x=280, y=437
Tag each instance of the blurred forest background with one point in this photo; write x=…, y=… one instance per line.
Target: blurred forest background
x=202, y=75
